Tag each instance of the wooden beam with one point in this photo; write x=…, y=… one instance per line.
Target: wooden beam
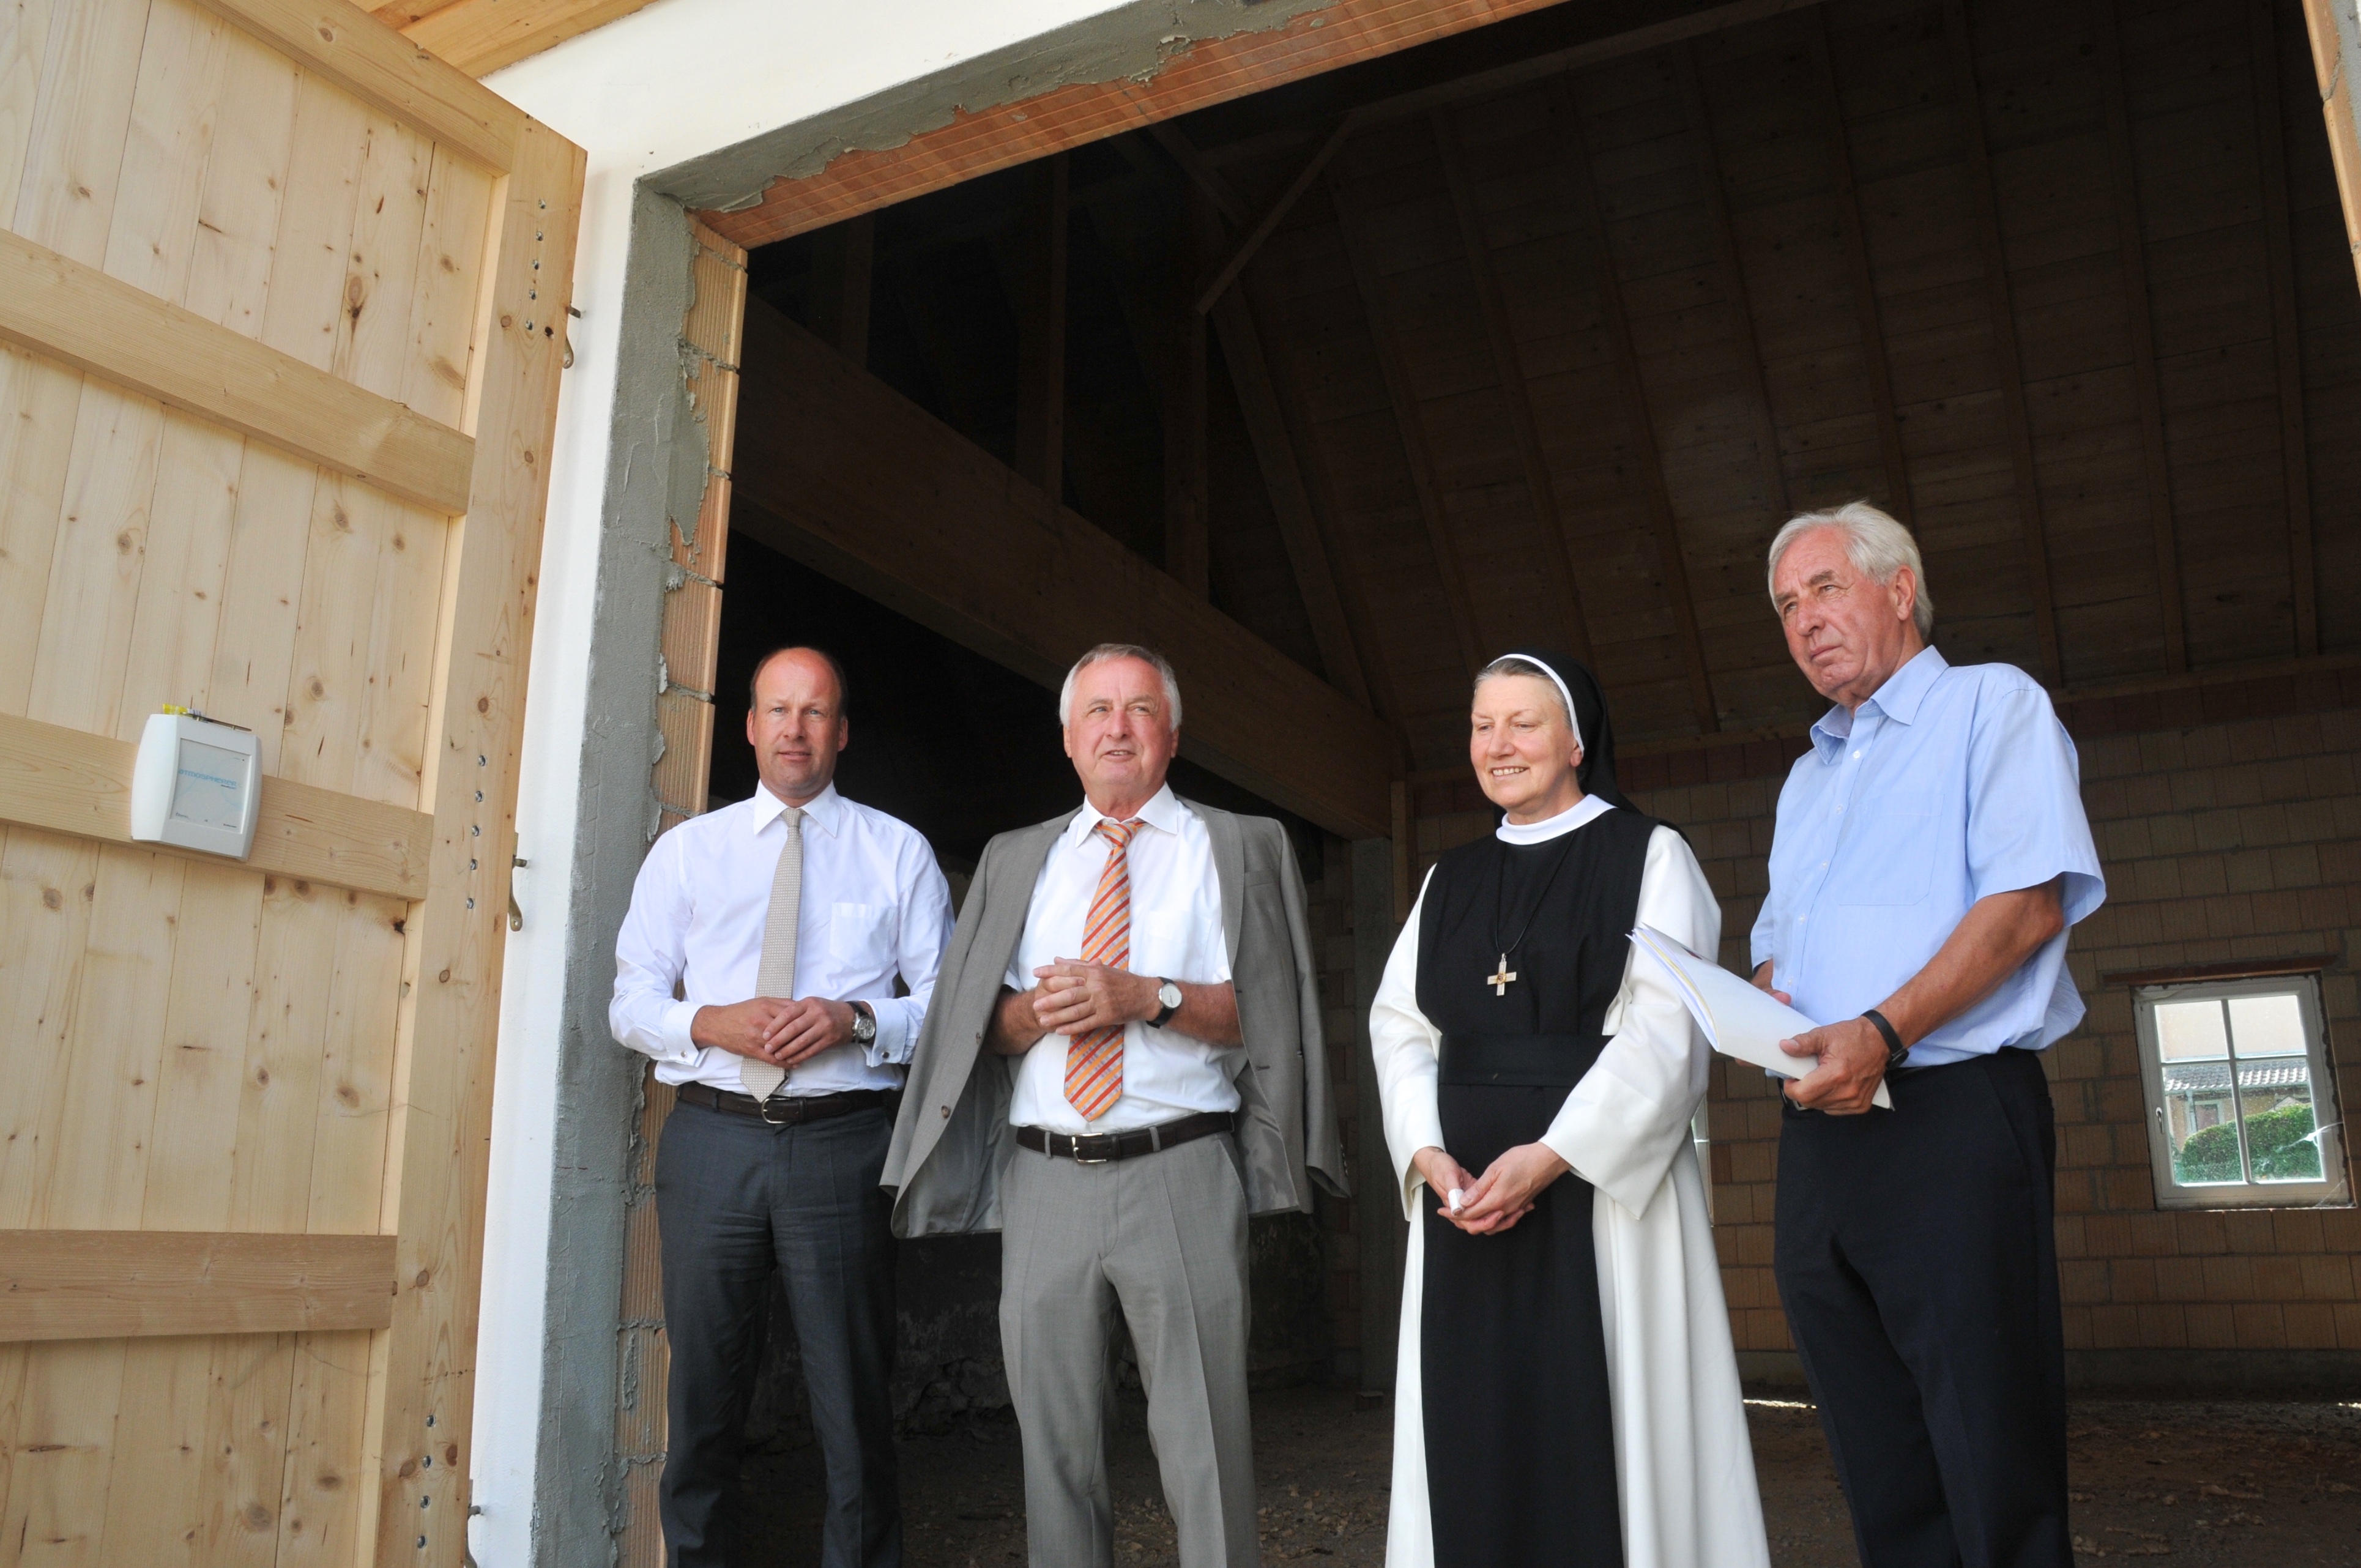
x=1280, y=207
x=2287, y=331
x=1288, y=376
x=839, y=471
x=1508, y=369
x=1318, y=39
x=372, y=61
x=1188, y=477
x=1409, y=422
x=1274, y=450
x=1208, y=71
x=1041, y=334
x=60, y=308
x=2008, y=364
x=2333, y=29
x=1733, y=284
x=1866, y=318
x=70, y=781
x=481, y=36
x=843, y=271
x=1202, y=174
x=1664, y=527
x=59, y=1285
x=2131, y=246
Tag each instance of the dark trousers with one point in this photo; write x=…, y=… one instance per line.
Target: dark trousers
x=1917, y=1264
x=736, y=1198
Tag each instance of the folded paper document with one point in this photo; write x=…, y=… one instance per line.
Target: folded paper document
x=1739, y=1018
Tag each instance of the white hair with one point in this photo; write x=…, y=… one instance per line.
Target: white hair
x=1875, y=543
x=1106, y=652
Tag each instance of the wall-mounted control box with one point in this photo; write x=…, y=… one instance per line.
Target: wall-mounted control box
x=196, y=784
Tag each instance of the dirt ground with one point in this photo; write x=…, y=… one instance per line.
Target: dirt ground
x=2237, y=1486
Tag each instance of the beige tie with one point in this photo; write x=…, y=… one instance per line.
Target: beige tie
x=777, y=976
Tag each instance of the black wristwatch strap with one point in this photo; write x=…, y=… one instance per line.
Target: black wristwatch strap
x=1894, y=1049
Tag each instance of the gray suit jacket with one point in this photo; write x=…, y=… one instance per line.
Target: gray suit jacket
x=953, y=1139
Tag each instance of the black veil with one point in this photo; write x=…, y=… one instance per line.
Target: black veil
x=1596, y=774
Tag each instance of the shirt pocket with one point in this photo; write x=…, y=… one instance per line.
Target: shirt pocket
x=861, y=936
x=1887, y=857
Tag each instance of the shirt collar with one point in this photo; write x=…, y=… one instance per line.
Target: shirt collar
x=1583, y=812
x=1163, y=812
x=1898, y=698
x=824, y=811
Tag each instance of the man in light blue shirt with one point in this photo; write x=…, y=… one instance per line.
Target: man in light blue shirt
x=1930, y=856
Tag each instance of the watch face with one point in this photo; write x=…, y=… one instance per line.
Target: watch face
x=1169, y=994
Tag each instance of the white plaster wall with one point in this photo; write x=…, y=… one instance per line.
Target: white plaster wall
x=674, y=82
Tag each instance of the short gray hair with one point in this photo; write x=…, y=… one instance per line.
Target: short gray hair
x=1875, y=543
x=1106, y=652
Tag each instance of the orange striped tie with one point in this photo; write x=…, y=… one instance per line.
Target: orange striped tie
x=1094, y=1061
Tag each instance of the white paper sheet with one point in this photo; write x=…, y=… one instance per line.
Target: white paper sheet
x=1739, y=1018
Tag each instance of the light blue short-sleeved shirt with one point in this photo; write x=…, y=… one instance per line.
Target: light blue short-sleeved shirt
x=1947, y=785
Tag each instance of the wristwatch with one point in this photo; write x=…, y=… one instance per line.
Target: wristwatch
x=1168, y=1001
x=864, y=1025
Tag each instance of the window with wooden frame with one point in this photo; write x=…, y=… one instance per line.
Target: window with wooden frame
x=2242, y=1105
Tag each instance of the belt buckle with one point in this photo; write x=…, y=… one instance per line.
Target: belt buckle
x=1101, y=1160
x=763, y=1109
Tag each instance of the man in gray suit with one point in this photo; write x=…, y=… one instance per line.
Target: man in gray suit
x=1122, y=1062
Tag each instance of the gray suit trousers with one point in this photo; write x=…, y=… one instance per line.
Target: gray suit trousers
x=1164, y=1236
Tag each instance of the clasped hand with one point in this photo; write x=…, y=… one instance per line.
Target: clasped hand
x=1496, y=1200
x=1073, y=997
x=780, y=1032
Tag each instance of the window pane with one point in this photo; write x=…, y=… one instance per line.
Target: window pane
x=2187, y=1031
x=2203, y=1127
x=2282, y=1140
x=2267, y=1026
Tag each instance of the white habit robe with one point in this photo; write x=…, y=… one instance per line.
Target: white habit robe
x=1684, y=1464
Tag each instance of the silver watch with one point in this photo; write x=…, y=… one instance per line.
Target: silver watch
x=864, y=1025
x=1168, y=998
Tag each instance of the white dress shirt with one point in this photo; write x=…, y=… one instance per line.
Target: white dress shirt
x=1175, y=934
x=875, y=905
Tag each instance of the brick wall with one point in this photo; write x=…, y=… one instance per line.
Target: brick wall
x=2228, y=820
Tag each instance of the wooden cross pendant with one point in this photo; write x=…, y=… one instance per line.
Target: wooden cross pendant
x=1498, y=979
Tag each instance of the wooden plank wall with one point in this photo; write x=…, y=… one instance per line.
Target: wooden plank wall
x=196, y=1046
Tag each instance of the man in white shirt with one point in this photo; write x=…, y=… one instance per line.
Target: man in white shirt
x=780, y=924
x=1141, y=972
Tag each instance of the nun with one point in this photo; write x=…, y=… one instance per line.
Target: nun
x=1568, y=1396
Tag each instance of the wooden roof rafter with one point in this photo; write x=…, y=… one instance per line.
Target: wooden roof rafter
x=1868, y=320
x=1508, y=365
x=1664, y=527
x=2132, y=245
x=2271, y=132
x=1699, y=118
x=2009, y=361
x=1410, y=423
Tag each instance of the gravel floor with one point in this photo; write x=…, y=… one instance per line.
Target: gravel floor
x=2240, y=1486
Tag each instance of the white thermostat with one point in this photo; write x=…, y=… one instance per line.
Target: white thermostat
x=197, y=784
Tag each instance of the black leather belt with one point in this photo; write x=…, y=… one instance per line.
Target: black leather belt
x=787, y=1110
x=1097, y=1148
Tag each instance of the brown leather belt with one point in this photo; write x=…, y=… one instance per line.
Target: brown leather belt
x=1097, y=1148
x=787, y=1110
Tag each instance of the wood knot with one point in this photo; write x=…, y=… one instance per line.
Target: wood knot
x=52, y=899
